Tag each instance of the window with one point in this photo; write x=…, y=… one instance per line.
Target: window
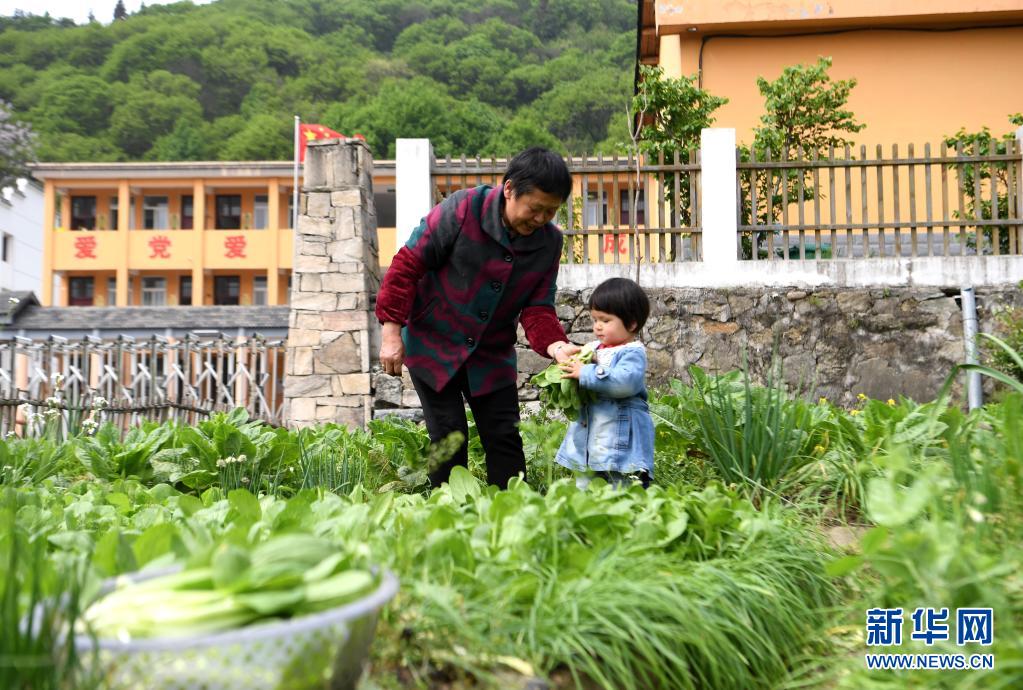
x=226, y=289
x=625, y=204
x=113, y=212
x=154, y=292
x=111, y=292
x=290, y=223
x=80, y=292
x=386, y=203
x=185, y=291
x=83, y=213
x=595, y=210
x=154, y=213
x=8, y=248
x=259, y=290
x=260, y=213
x=229, y=212
x=187, y=212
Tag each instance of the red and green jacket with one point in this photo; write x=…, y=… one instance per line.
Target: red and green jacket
x=460, y=285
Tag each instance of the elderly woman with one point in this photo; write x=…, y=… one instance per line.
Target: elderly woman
x=481, y=261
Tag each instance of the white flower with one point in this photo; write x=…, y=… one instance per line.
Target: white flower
x=99, y=402
x=245, y=480
x=221, y=463
x=90, y=426
x=52, y=401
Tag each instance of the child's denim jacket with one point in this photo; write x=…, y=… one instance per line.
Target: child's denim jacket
x=615, y=432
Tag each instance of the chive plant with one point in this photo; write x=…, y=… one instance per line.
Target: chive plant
x=40, y=602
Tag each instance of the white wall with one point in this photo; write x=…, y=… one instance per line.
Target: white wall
x=21, y=216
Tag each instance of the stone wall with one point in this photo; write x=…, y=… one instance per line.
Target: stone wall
x=336, y=273
x=882, y=342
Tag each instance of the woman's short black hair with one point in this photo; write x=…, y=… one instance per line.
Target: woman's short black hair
x=623, y=298
x=539, y=168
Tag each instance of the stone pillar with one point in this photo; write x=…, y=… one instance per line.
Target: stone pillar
x=336, y=271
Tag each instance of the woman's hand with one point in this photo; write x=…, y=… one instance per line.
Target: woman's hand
x=392, y=349
x=571, y=369
x=562, y=351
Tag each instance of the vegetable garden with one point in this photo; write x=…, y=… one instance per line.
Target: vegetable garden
x=775, y=522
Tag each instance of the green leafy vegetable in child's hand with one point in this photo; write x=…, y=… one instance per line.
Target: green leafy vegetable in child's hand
x=560, y=392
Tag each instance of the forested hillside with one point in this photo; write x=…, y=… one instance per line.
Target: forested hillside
x=223, y=81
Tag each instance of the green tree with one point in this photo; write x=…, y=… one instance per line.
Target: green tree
x=265, y=137
x=578, y=112
x=78, y=104
x=119, y=11
x=418, y=108
x=670, y=114
x=78, y=147
x=148, y=107
x=523, y=131
x=317, y=56
x=805, y=115
x=673, y=112
x=992, y=178
x=188, y=141
x=805, y=110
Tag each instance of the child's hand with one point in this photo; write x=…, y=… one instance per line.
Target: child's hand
x=571, y=369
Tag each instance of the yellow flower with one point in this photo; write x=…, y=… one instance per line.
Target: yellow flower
x=854, y=412
x=822, y=401
x=818, y=449
x=891, y=402
x=861, y=396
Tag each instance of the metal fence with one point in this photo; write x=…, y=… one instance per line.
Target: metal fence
x=621, y=210
x=962, y=201
x=125, y=381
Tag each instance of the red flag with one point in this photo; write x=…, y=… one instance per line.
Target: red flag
x=309, y=133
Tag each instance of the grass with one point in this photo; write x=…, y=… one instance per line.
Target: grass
x=754, y=436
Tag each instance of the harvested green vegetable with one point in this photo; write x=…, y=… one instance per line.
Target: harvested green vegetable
x=559, y=392
x=287, y=575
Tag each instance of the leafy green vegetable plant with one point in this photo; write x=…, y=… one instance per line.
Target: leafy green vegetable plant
x=559, y=392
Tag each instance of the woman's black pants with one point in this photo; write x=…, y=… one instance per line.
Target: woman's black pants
x=497, y=421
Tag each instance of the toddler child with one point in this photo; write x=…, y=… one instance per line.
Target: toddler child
x=613, y=437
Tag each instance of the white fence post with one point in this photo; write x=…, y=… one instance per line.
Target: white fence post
x=413, y=187
x=718, y=202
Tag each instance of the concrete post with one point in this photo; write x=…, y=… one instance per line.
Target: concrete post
x=413, y=186
x=718, y=201
x=336, y=271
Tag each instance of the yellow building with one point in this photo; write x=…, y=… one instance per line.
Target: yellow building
x=180, y=233
x=924, y=68
x=152, y=234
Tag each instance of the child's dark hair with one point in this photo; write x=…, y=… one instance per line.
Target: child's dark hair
x=623, y=298
x=539, y=168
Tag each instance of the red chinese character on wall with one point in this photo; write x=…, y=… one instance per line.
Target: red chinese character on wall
x=85, y=247
x=611, y=240
x=235, y=245
x=159, y=244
